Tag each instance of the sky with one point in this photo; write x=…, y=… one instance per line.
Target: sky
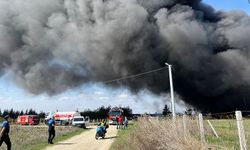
x=90, y=96
x=227, y=5
x=94, y=95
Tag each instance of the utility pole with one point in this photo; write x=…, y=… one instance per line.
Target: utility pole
x=171, y=90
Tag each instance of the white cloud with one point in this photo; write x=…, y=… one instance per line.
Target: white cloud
x=123, y=96
x=89, y=96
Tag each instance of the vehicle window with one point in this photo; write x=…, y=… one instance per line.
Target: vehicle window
x=115, y=113
x=78, y=119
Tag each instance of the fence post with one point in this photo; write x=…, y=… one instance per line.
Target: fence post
x=211, y=126
x=202, y=132
x=240, y=126
x=184, y=121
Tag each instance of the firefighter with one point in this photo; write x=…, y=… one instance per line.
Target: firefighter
x=4, y=134
x=52, y=132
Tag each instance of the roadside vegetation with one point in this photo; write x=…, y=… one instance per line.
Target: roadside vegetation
x=156, y=134
x=35, y=137
x=122, y=136
x=161, y=134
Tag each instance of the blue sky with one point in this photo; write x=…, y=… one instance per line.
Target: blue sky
x=227, y=5
x=95, y=95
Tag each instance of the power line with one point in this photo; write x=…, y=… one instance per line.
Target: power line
x=135, y=75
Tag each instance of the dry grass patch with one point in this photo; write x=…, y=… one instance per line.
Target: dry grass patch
x=164, y=134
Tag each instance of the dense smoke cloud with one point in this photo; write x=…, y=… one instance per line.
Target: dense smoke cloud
x=55, y=45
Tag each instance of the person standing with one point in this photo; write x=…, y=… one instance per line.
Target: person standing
x=117, y=122
x=52, y=132
x=4, y=134
x=120, y=120
x=125, y=123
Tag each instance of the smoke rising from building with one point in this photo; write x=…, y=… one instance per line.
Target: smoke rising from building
x=52, y=46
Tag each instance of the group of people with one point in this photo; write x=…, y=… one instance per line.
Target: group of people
x=120, y=123
x=4, y=133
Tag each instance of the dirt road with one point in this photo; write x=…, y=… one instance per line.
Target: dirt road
x=87, y=141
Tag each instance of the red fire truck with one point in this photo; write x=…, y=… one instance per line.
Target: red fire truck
x=28, y=120
x=113, y=113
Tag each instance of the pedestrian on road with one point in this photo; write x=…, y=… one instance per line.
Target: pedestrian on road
x=4, y=134
x=52, y=132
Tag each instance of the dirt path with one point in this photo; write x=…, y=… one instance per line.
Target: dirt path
x=87, y=140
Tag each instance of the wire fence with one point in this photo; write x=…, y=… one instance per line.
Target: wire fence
x=218, y=133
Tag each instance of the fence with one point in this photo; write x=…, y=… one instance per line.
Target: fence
x=230, y=133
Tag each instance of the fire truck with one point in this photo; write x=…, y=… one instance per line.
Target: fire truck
x=28, y=120
x=62, y=118
x=114, y=113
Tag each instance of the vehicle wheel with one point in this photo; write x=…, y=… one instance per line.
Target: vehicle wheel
x=96, y=136
x=84, y=126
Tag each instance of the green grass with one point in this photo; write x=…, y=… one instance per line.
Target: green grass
x=226, y=129
x=228, y=133
x=35, y=137
x=63, y=137
x=122, y=135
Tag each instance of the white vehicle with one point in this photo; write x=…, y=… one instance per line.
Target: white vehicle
x=80, y=121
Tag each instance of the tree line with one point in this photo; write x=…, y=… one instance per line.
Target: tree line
x=102, y=112
x=99, y=113
x=15, y=113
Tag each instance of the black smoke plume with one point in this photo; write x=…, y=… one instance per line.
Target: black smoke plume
x=54, y=45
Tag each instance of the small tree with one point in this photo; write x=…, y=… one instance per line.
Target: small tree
x=41, y=115
x=31, y=112
x=5, y=112
x=127, y=111
x=21, y=113
x=166, y=111
x=102, y=112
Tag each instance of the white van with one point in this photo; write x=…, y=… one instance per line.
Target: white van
x=79, y=121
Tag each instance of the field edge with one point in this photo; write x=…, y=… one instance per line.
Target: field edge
x=57, y=139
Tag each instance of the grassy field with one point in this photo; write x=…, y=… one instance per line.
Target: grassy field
x=154, y=134
x=161, y=134
x=228, y=134
x=146, y=133
x=123, y=135
x=35, y=137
